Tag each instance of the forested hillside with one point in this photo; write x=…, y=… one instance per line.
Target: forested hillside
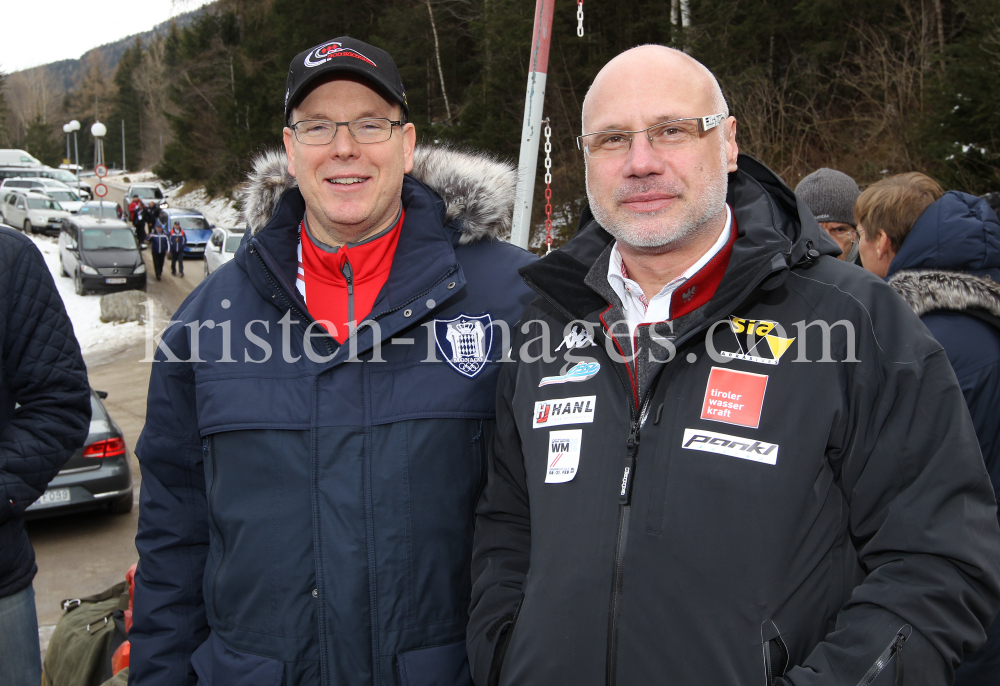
x=870, y=87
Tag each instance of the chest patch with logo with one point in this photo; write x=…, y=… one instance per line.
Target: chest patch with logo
x=756, y=342
x=563, y=459
x=578, y=410
x=734, y=397
x=581, y=371
x=465, y=342
x=733, y=446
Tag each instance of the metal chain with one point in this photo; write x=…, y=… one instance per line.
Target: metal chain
x=579, y=18
x=548, y=186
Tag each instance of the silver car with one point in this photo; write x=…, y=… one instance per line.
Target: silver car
x=221, y=248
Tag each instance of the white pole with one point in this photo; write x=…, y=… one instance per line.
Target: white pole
x=531, y=130
x=123, y=145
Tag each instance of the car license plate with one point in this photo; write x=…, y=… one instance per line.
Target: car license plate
x=115, y=280
x=57, y=495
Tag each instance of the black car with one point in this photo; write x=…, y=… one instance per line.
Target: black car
x=98, y=475
x=100, y=254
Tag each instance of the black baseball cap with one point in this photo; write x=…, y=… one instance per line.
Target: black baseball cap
x=343, y=54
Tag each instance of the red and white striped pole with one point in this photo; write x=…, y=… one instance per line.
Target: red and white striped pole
x=527, y=164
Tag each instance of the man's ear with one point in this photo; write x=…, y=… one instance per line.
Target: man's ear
x=409, y=134
x=732, y=149
x=289, y=140
x=884, y=246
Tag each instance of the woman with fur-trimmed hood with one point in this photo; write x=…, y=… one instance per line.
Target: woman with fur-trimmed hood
x=941, y=252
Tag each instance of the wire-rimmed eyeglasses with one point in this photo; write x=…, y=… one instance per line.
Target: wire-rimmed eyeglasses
x=321, y=132
x=663, y=136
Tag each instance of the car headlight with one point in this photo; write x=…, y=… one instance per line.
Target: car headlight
x=87, y=269
x=141, y=269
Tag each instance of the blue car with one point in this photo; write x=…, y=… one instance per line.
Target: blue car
x=196, y=228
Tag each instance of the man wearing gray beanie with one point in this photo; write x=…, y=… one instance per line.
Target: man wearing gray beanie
x=830, y=195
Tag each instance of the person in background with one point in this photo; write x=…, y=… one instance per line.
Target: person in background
x=177, y=241
x=44, y=418
x=159, y=244
x=133, y=211
x=830, y=196
x=941, y=252
x=141, y=216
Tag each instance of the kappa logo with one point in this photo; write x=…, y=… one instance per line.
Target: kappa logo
x=563, y=460
x=733, y=446
x=581, y=371
x=328, y=51
x=750, y=333
x=566, y=411
x=577, y=338
x=465, y=341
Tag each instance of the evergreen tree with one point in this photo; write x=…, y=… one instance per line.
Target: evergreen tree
x=39, y=140
x=126, y=107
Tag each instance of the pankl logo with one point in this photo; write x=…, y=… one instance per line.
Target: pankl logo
x=733, y=446
x=327, y=51
x=566, y=411
x=750, y=333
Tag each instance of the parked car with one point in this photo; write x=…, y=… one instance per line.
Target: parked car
x=100, y=254
x=7, y=172
x=99, y=208
x=69, y=178
x=147, y=192
x=33, y=183
x=196, y=228
x=31, y=211
x=221, y=248
x=67, y=199
x=18, y=157
x=98, y=475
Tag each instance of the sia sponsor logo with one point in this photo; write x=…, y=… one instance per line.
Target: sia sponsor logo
x=733, y=446
x=328, y=51
x=564, y=456
x=750, y=334
x=581, y=371
x=566, y=411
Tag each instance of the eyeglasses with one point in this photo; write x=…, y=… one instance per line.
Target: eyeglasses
x=844, y=230
x=667, y=135
x=319, y=132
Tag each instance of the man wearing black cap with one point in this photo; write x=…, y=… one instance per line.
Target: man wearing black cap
x=319, y=413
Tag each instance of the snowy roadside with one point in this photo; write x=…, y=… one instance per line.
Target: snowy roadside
x=219, y=211
x=95, y=337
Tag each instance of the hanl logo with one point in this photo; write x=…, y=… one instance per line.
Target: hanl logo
x=564, y=456
x=750, y=333
x=733, y=446
x=566, y=411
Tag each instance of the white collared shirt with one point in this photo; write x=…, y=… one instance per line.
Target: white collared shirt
x=637, y=309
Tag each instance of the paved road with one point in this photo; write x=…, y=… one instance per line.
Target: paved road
x=83, y=554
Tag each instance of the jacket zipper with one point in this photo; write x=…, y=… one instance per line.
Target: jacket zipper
x=624, y=508
x=894, y=648
x=349, y=278
x=209, y=453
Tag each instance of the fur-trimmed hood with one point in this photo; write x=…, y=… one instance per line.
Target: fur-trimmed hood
x=477, y=189
x=930, y=290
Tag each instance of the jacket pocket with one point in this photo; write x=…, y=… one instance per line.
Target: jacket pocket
x=446, y=665
x=501, y=633
x=892, y=655
x=775, y=652
x=216, y=664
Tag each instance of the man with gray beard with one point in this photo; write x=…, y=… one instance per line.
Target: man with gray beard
x=722, y=456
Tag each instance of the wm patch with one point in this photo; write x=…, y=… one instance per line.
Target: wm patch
x=756, y=342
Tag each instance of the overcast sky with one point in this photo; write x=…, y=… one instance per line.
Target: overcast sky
x=41, y=31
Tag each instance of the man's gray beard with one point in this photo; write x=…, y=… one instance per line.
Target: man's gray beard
x=700, y=211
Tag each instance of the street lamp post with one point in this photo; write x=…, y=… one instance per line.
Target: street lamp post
x=73, y=127
x=98, y=131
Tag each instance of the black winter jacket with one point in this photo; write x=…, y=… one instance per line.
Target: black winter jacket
x=44, y=397
x=735, y=512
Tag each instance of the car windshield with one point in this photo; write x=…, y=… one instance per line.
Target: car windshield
x=232, y=243
x=43, y=204
x=107, y=211
x=188, y=223
x=107, y=239
x=65, y=196
x=147, y=193
x=59, y=175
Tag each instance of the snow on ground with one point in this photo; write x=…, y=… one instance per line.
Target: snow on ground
x=218, y=211
x=84, y=311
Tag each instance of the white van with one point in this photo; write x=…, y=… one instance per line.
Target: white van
x=13, y=157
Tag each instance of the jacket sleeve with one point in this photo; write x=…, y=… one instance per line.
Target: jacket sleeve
x=502, y=544
x=922, y=517
x=44, y=374
x=172, y=540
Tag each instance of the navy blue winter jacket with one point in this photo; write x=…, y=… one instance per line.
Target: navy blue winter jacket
x=177, y=239
x=159, y=243
x=307, y=510
x=44, y=397
x=948, y=269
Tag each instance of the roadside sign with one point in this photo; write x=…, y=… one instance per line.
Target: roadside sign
x=100, y=171
x=100, y=190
